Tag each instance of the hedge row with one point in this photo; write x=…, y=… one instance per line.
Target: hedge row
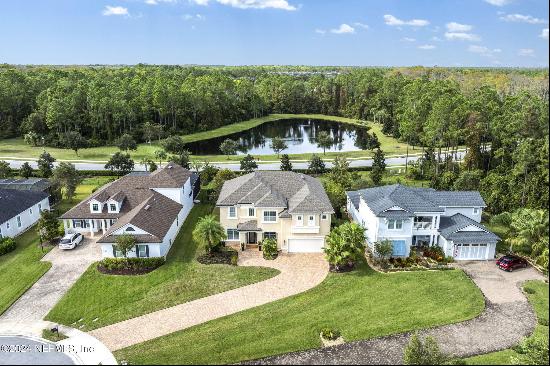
x=133, y=264
x=7, y=245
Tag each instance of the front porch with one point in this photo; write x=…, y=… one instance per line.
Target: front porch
x=88, y=227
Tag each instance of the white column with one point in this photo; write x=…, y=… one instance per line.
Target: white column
x=91, y=228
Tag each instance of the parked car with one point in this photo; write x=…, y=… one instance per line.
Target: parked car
x=70, y=241
x=511, y=262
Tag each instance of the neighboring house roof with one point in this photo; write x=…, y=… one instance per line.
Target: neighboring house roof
x=355, y=198
x=450, y=228
x=15, y=201
x=412, y=199
x=297, y=193
x=30, y=184
x=251, y=225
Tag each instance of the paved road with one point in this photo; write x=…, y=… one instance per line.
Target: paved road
x=390, y=161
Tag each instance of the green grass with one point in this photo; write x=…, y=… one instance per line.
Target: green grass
x=110, y=299
x=539, y=301
x=21, y=268
x=361, y=304
x=53, y=337
x=17, y=148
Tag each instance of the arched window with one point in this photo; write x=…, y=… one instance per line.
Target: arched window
x=129, y=228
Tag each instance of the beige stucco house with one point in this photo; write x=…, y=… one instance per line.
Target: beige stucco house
x=293, y=208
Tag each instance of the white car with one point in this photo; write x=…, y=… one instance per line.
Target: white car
x=70, y=241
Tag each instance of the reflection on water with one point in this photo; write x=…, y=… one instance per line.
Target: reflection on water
x=298, y=134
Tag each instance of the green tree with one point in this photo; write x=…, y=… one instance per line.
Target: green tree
x=5, y=170
x=286, y=165
x=47, y=226
x=229, y=147
x=125, y=243
x=425, y=352
x=340, y=173
x=248, y=164
x=126, y=142
x=173, y=145
x=73, y=140
x=378, y=167
x=209, y=233
x=337, y=196
x=529, y=233
x=468, y=180
x=183, y=158
x=45, y=164
x=32, y=138
x=151, y=130
x=161, y=156
x=316, y=165
x=278, y=145
x=324, y=140
x=383, y=248
x=26, y=170
x=208, y=173
x=120, y=162
x=67, y=178
x=345, y=244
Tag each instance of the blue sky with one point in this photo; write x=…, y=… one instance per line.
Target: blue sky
x=290, y=32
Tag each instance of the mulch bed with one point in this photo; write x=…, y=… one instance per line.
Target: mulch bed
x=221, y=257
x=125, y=271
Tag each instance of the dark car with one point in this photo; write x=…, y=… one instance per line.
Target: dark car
x=511, y=262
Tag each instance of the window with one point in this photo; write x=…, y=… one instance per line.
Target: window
x=300, y=219
x=142, y=251
x=232, y=212
x=39, y=207
x=476, y=210
x=324, y=217
x=270, y=216
x=112, y=207
x=95, y=207
x=1, y=233
x=251, y=212
x=7, y=225
x=232, y=234
x=30, y=211
x=117, y=253
x=270, y=235
x=311, y=220
x=395, y=224
x=18, y=221
x=129, y=228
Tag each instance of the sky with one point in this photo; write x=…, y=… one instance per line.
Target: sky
x=276, y=32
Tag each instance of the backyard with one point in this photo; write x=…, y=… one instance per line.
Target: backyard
x=361, y=304
x=97, y=299
x=21, y=268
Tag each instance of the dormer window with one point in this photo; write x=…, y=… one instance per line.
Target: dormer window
x=95, y=207
x=112, y=207
x=129, y=228
x=476, y=210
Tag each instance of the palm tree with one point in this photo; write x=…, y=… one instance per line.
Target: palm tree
x=529, y=230
x=209, y=232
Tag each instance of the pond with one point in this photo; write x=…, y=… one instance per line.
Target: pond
x=299, y=135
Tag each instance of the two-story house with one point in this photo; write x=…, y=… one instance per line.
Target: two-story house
x=150, y=206
x=290, y=207
x=423, y=216
x=20, y=209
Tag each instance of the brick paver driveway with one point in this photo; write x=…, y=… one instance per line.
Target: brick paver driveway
x=67, y=267
x=299, y=272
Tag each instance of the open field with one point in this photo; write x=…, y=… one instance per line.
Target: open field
x=18, y=149
x=361, y=304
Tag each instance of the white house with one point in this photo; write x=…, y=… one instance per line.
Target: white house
x=150, y=206
x=423, y=216
x=20, y=209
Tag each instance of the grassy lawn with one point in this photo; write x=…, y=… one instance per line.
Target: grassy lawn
x=539, y=300
x=19, y=149
x=21, y=268
x=110, y=299
x=361, y=304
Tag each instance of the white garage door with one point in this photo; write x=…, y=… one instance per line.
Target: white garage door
x=470, y=251
x=306, y=245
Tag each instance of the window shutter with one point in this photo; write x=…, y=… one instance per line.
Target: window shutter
x=114, y=250
x=147, y=251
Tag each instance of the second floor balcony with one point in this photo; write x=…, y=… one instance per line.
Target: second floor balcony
x=423, y=223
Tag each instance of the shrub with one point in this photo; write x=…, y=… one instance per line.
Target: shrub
x=269, y=248
x=330, y=334
x=131, y=264
x=7, y=245
x=383, y=248
x=529, y=290
x=543, y=322
x=534, y=351
x=423, y=353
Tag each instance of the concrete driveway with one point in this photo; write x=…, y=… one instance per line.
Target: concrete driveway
x=67, y=267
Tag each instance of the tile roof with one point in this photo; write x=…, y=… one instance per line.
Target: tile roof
x=295, y=192
x=15, y=201
x=450, y=227
x=414, y=199
x=251, y=225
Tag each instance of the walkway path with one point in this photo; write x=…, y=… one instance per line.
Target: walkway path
x=299, y=272
x=505, y=321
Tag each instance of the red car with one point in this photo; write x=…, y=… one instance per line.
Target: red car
x=511, y=262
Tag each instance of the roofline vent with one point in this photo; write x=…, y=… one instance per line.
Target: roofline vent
x=147, y=207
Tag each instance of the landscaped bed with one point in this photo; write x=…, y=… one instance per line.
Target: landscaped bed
x=360, y=304
x=129, y=266
x=99, y=299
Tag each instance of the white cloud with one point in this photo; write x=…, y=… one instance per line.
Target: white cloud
x=498, y=2
x=520, y=18
x=462, y=36
x=115, y=10
x=343, y=29
x=484, y=51
x=436, y=39
x=544, y=34
x=427, y=47
x=192, y=17
x=408, y=39
x=251, y=4
x=526, y=52
x=361, y=25
x=393, y=21
x=156, y=2
x=457, y=27
x=320, y=31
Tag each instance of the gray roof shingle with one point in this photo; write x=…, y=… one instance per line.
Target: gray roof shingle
x=250, y=225
x=15, y=201
x=450, y=227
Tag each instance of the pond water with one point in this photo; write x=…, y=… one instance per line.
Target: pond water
x=299, y=135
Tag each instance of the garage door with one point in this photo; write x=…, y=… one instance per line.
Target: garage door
x=306, y=245
x=470, y=251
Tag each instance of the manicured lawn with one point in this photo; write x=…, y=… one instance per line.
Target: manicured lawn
x=539, y=300
x=19, y=149
x=110, y=299
x=21, y=268
x=361, y=304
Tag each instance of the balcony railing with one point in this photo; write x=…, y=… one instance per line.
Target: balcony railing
x=305, y=229
x=422, y=225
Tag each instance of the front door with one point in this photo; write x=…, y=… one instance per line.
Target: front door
x=251, y=238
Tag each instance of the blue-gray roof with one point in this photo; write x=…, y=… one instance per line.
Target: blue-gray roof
x=450, y=227
x=15, y=201
x=413, y=199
